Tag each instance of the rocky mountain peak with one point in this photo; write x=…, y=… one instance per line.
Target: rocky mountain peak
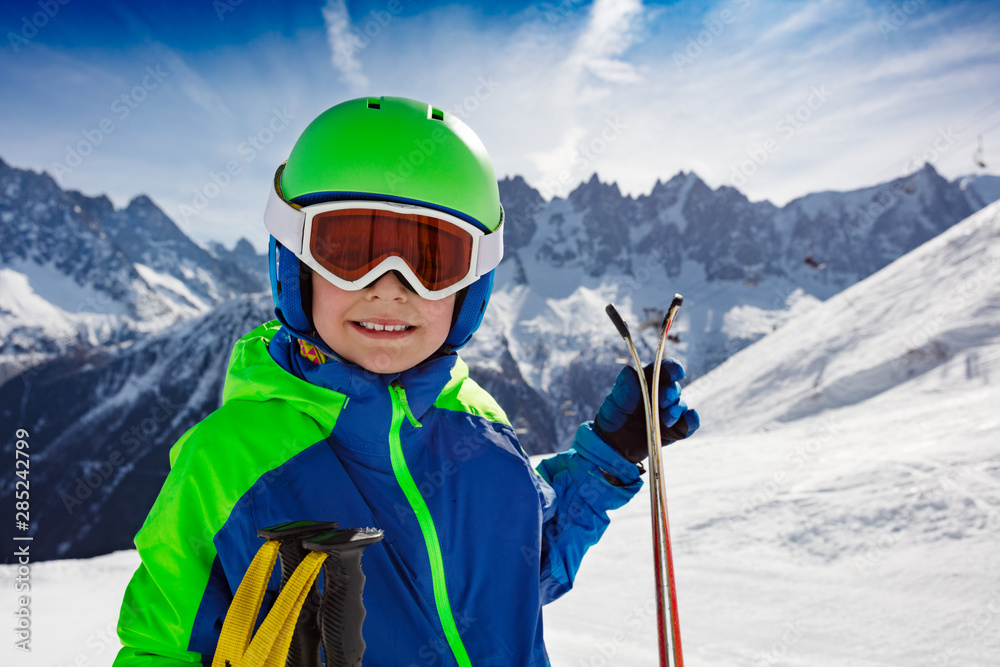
x=593, y=193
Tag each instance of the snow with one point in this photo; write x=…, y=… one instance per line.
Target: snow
x=839, y=507
x=675, y=213
x=45, y=311
x=17, y=297
x=746, y=321
x=48, y=283
x=173, y=288
x=74, y=610
x=51, y=305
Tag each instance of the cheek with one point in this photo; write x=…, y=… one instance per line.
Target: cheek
x=440, y=313
x=328, y=301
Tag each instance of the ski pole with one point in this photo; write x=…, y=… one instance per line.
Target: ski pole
x=303, y=650
x=342, y=612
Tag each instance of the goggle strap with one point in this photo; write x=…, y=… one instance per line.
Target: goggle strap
x=283, y=221
x=490, y=250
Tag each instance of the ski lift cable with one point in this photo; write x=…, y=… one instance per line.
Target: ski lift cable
x=963, y=126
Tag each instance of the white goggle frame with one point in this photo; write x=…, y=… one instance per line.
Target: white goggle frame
x=292, y=225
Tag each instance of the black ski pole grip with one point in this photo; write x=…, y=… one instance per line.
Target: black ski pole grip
x=617, y=320
x=342, y=612
x=304, y=649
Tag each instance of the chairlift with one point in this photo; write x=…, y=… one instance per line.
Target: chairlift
x=978, y=156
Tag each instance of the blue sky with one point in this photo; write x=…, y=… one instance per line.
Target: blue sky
x=196, y=103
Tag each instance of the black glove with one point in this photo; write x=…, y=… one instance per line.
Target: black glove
x=620, y=419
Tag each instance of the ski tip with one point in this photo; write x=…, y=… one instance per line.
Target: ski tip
x=617, y=320
x=675, y=303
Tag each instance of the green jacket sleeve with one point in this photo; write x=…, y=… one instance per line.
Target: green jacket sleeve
x=175, y=545
x=268, y=416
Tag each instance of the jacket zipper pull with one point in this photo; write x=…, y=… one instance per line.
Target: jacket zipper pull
x=401, y=393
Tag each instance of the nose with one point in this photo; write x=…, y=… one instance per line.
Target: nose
x=389, y=288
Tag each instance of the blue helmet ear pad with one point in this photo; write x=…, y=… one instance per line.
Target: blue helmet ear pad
x=470, y=311
x=287, y=290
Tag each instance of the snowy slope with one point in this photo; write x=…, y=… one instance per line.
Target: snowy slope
x=74, y=610
x=929, y=310
x=840, y=506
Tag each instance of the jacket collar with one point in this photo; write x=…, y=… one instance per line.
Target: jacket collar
x=423, y=383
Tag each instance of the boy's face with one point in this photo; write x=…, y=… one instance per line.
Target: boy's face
x=340, y=317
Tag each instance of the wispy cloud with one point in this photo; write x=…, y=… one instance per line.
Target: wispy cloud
x=610, y=31
x=594, y=68
x=594, y=87
x=809, y=17
x=343, y=43
x=192, y=85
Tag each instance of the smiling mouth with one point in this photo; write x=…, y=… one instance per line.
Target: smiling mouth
x=373, y=326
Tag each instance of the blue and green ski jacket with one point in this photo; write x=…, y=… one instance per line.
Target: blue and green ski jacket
x=476, y=541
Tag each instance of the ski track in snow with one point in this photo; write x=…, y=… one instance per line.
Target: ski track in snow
x=840, y=507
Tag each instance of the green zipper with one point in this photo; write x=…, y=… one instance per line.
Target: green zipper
x=401, y=410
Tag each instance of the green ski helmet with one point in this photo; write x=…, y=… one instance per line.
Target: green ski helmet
x=390, y=149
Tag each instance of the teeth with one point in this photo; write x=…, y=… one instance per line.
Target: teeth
x=382, y=327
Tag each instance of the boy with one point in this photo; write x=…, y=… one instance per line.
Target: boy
x=353, y=407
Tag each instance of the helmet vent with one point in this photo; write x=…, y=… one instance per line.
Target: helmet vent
x=436, y=114
x=374, y=103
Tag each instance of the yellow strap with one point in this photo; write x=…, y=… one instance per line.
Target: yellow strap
x=242, y=614
x=269, y=647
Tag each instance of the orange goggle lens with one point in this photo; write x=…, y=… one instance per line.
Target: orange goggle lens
x=351, y=242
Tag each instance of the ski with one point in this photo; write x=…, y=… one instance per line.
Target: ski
x=666, y=591
x=668, y=560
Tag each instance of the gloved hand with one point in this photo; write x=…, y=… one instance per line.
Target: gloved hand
x=622, y=423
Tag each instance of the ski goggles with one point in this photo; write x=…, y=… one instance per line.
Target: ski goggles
x=352, y=243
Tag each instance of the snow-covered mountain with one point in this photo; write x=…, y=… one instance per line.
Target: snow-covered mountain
x=743, y=267
x=683, y=221
x=546, y=349
x=980, y=189
x=76, y=273
x=840, y=505
x=102, y=422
